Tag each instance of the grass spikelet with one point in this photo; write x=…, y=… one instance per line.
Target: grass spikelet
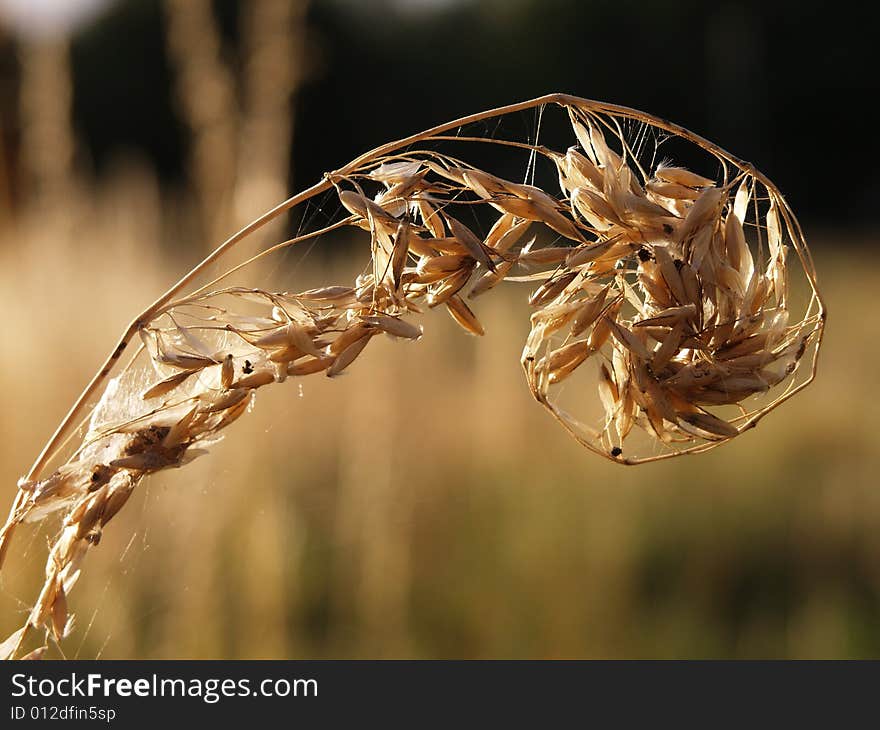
x=667, y=287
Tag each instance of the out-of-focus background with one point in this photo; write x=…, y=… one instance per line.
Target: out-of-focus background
x=423, y=506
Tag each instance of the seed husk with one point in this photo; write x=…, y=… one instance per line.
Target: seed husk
x=349, y=355
x=465, y=317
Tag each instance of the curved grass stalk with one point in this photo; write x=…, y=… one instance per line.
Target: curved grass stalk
x=666, y=289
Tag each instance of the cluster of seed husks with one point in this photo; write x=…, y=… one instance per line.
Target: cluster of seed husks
x=694, y=319
x=670, y=285
x=650, y=275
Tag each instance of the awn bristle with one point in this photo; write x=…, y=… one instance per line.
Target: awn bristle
x=672, y=285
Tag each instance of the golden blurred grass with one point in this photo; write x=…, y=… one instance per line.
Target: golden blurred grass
x=424, y=506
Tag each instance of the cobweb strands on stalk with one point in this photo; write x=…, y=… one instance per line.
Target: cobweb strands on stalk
x=665, y=316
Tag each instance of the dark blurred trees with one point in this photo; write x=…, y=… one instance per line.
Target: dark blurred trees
x=785, y=84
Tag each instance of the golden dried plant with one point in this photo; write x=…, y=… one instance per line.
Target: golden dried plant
x=659, y=292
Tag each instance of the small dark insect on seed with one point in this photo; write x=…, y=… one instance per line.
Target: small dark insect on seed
x=678, y=264
x=248, y=367
x=95, y=480
x=616, y=451
x=644, y=254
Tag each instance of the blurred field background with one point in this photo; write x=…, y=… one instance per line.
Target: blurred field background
x=424, y=506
